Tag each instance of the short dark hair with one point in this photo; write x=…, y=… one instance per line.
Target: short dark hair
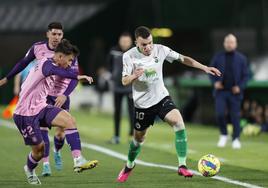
x=55, y=25
x=126, y=34
x=143, y=32
x=67, y=48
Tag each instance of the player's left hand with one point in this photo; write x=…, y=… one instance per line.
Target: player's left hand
x=213, y=71
x=60, y=100
x=85, y=77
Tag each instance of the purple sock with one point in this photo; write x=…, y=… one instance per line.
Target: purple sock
x=73, y=139
x=31, y=162
x=58, y=143
x=47, y=145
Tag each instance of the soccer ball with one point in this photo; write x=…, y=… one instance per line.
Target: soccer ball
x=209, y=165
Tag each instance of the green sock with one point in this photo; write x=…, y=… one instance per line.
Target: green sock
x=181, y=146
x=132, y=154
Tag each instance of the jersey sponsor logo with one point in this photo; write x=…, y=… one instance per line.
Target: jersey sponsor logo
x=150, y=73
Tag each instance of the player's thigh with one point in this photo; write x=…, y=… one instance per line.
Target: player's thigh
x=144, y=118
x=173, y=117
x=29, y=129
x=64, y=120
x=168, y=111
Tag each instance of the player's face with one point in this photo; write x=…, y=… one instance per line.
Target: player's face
x=54, y=37
x=230, y=43
x=145, y=45
x=125, y=42
x=65, y=61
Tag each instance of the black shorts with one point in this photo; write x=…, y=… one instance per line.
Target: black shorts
x=144, y=118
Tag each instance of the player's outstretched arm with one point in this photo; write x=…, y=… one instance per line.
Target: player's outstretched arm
x=126, y=80
x=193, y=63
x=3, y=81
x=22, y=64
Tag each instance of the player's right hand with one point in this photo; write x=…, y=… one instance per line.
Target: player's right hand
x=85, y=77
x=138, y=72
x=3, y=81
x=60, y=100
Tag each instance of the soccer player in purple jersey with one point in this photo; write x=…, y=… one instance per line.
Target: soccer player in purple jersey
x=58, y=96
x=32, y=108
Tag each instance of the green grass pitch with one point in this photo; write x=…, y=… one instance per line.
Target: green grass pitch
x=248, y=165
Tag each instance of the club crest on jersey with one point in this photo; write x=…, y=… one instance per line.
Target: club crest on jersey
x=156, y=60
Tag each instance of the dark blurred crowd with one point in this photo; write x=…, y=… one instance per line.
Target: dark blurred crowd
x=254, y=117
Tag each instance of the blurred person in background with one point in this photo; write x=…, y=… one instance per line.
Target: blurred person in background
x=115, y=64
x=96, y=67
x=264, y=127
x=228, y=89
x=102, y=85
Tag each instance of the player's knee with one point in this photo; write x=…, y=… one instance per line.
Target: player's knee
x=70, y=122
x=173, y=121
x=178, y=126
x=139, y=141
x=60, y=133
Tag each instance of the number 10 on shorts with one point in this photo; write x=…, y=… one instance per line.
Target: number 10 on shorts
x=140, y=115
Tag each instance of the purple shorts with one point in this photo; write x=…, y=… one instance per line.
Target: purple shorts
x=29, y=126
x=51, y=102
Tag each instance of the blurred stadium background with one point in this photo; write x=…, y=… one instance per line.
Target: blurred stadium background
x=191, y=27
x=194, y=28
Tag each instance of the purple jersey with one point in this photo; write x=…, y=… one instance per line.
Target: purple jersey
x=63, y=86
x=37, y=85
x=40, y=51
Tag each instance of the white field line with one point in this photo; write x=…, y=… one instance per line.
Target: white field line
x=123, y=157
